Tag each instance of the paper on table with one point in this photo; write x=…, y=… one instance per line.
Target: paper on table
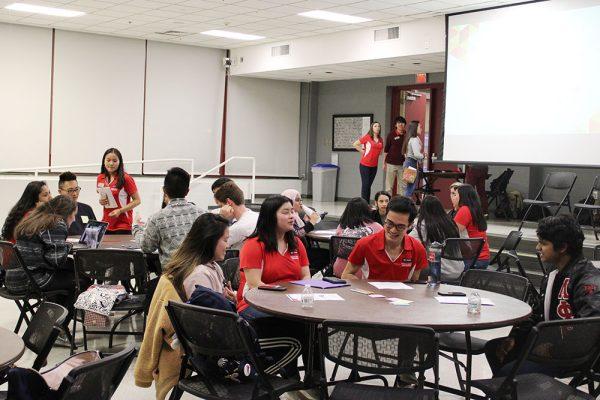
x=318, y=297
x=400, y=302
x=389, y=285
x=105, y=191
x=462, y=300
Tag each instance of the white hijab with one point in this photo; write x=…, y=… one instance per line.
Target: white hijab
x=293, y=194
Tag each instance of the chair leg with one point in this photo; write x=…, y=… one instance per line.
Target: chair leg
x=458, y=373
x=116, y=324
x=176, y=393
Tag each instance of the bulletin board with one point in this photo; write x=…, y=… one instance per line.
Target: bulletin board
x=347, y=128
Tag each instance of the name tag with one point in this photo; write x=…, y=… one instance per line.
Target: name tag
x=84, y=219
x=294, y=256
x=397, y=138
x=406, y=262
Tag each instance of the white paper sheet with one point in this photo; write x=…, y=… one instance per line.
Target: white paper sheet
x=318, y=297
x=389, y=285
x=462, y=300
x=105, y=191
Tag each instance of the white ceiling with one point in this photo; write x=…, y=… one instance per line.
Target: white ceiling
x=362, y=69
x=277, y=20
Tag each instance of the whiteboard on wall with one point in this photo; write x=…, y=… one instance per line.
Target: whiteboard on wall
x=98, y=98
x=25, y=66
x=184, y=105
x=348, y=128
x=263, y=120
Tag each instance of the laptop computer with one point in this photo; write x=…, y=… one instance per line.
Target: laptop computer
x=92, y=235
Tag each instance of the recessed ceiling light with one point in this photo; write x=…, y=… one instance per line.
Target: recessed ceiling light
x=336, y=17
x=232, y=35
x=57, y=12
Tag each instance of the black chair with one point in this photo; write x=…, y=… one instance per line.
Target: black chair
x=560, y=183
x=508, y=253
x=571, y=345
x=504, y=283
x=497, y=193
x=112, y=266
x=381, y=350
x=340, y=246
x=231, y=271
x=253, y=206
x=463, y=249
x=210, y=333
x=590, y=208
x=597, y=253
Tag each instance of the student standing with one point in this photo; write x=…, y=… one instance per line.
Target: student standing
x=394, y=157
x=413, y=150
x=68, y=186
x=123, y=188
x=369, y=146
x=469, y=218
x=36, y=193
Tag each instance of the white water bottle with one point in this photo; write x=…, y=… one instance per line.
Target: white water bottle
x=474, y=303
x=308, y=298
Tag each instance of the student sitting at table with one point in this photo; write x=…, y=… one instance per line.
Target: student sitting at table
x=572, y=290
x=36, y=193
x=355, y=222
x=41, y=241
x=469, y=217
x=391, y=254
x=68, y=186
x=382, y=198
x=231, y=199
x=434, y=225
x=123, y=189
x=166, y=229
x=305, y=218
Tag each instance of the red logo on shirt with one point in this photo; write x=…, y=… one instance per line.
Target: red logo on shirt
x=407, y=262
x=564, y=308
x=294, y=255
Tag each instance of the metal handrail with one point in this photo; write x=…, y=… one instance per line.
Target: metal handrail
x=216, y=167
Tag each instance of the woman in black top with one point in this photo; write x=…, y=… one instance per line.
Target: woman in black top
x=382, y=198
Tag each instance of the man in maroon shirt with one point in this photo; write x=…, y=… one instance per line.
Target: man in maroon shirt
x=393, y=157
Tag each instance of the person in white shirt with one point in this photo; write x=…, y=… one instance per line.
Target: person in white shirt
x=230, y=196
x=413, y=151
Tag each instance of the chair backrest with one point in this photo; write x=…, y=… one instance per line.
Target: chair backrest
x=254, y=206
x=43, y=329
x=8, y=258
x=463, y=249
x=231, y=271
x=111, y=266
x=597, y=253
x=512, y=241
x=97, y=380
x=561, y=180
x=380, y=349
x=571, y=345
x=504, y=283
x=341, y=246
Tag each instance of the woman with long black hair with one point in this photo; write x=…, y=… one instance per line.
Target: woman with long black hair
x=35, y=194
x=469, y=217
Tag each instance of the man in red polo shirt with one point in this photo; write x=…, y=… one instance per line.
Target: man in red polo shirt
x=390, y=255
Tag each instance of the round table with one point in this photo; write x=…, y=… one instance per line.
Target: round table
x=424, y=311
x=321, y=235
x=11, y=347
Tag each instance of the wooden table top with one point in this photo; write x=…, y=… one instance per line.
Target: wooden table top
x=11, y=347
x=321, y=235
x=424, y=311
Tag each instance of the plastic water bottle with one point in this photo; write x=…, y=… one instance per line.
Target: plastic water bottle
x=308, y=298
x=474, y=303
x=435, y=263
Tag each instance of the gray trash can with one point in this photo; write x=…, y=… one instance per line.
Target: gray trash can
x=324, y=182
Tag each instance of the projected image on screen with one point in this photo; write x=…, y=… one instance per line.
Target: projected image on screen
x=523, y=84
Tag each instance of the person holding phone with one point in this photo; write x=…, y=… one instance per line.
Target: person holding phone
x=123, y=190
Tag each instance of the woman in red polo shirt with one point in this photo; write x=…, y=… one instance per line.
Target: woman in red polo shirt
x=469, y=217
x=369, y=146
x=123, y=189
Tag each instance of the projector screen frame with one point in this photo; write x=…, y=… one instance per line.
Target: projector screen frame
x=443, y=127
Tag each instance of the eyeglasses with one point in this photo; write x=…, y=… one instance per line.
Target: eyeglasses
x=74, y=190
x=399, y=227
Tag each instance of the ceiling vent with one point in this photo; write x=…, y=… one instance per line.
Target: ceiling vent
x=280, y=50
x=174, y=33
x=387, y=33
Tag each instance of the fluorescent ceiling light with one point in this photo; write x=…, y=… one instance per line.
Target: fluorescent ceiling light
x=331, y=16
x=57, y=12
x=232, y=35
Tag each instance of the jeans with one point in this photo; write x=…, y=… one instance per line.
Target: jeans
x=367, y=176
x=410, y=187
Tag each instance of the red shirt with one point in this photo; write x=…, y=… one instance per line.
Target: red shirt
x=123, y=197
x=370, y=158
x=463, y=216
x=371, y=250
x=275, y=267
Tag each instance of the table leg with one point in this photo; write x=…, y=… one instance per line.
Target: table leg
x=469, y=366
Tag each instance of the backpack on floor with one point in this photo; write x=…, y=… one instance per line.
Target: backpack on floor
x=515, y=200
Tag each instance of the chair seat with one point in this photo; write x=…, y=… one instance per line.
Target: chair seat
x=134, y=302
x=352, y=391
x=4, y=293
x=540, y=202
x=586, y=206
x=456, y=342
x=233, y=390
x=533, y=387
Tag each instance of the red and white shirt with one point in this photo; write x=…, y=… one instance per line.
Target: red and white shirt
x=463, y=216
x=276, y=267
x=370, y=158
x=123, y=197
